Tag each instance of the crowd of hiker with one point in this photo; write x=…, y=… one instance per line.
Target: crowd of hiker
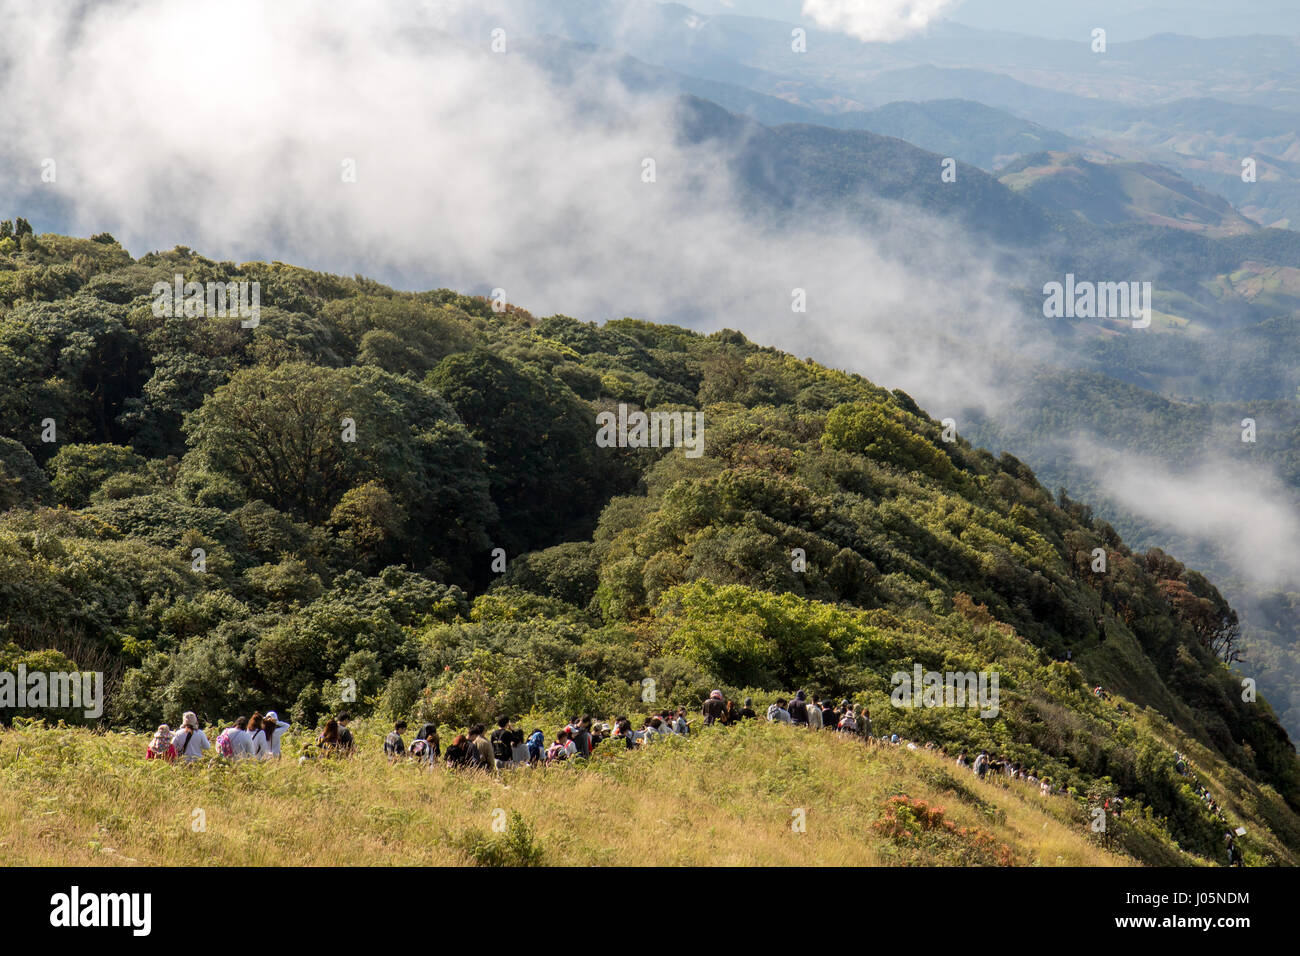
x=1183, y=768
x=507, y=746
x=258, y=737
x=985, y=766
x=818, y=714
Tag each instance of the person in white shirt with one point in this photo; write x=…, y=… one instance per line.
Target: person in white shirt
x=189, y=741
x=279, y=731
x=241, y=741
x=258, y=745
x=778, y=714
x=815, y=715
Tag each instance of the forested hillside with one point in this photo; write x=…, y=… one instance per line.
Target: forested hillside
x=402, y=492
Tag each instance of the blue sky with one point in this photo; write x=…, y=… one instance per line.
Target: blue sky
x=1123, y=19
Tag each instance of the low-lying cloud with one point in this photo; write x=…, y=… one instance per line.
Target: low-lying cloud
x=876, y=21
x=1244, y=513
x=233, y=128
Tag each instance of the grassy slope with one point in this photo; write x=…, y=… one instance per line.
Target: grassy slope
x=727, y=796
x=1105, y=194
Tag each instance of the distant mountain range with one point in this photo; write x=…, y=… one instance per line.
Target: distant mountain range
x=1146, y=100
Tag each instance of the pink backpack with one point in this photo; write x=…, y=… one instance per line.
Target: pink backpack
x=224, y=746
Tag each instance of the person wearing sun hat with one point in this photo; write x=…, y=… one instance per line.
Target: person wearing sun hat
x=160, y=748
x=280, y=730
x=190, y=741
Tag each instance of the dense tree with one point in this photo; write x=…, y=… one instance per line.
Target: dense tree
x=73, y=362
x=540, y=446
x=77, y=471
x=22, y=481
x=300, y=438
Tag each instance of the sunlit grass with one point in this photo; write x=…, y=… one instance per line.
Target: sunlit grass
x=731, y=796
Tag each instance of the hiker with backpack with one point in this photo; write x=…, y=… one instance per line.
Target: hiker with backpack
x=714, y=709
x=429, y=732
x=190, y=741
x=982, y=764
x=831, y=715
x=560, y=749
x=512, y=738
x=426, y=747
x=623, y=731
x=1234, y=851
x=394, y=745
x=258, y=745
x=747, y=712
x=580, y=737
x=848, y=723
x=503, y=743
x=777, y=712
x=667, y=722
x=649, y=731
x=161, y=748
x=269, y=727
x=234, y=742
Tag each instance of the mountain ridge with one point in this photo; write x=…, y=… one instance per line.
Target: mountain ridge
x=830, y=536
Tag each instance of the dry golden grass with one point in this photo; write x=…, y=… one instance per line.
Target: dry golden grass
x=727, y=796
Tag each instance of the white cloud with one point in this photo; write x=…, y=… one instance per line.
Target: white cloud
x=223, y=126
x=1238, y=511
x=876, y=21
